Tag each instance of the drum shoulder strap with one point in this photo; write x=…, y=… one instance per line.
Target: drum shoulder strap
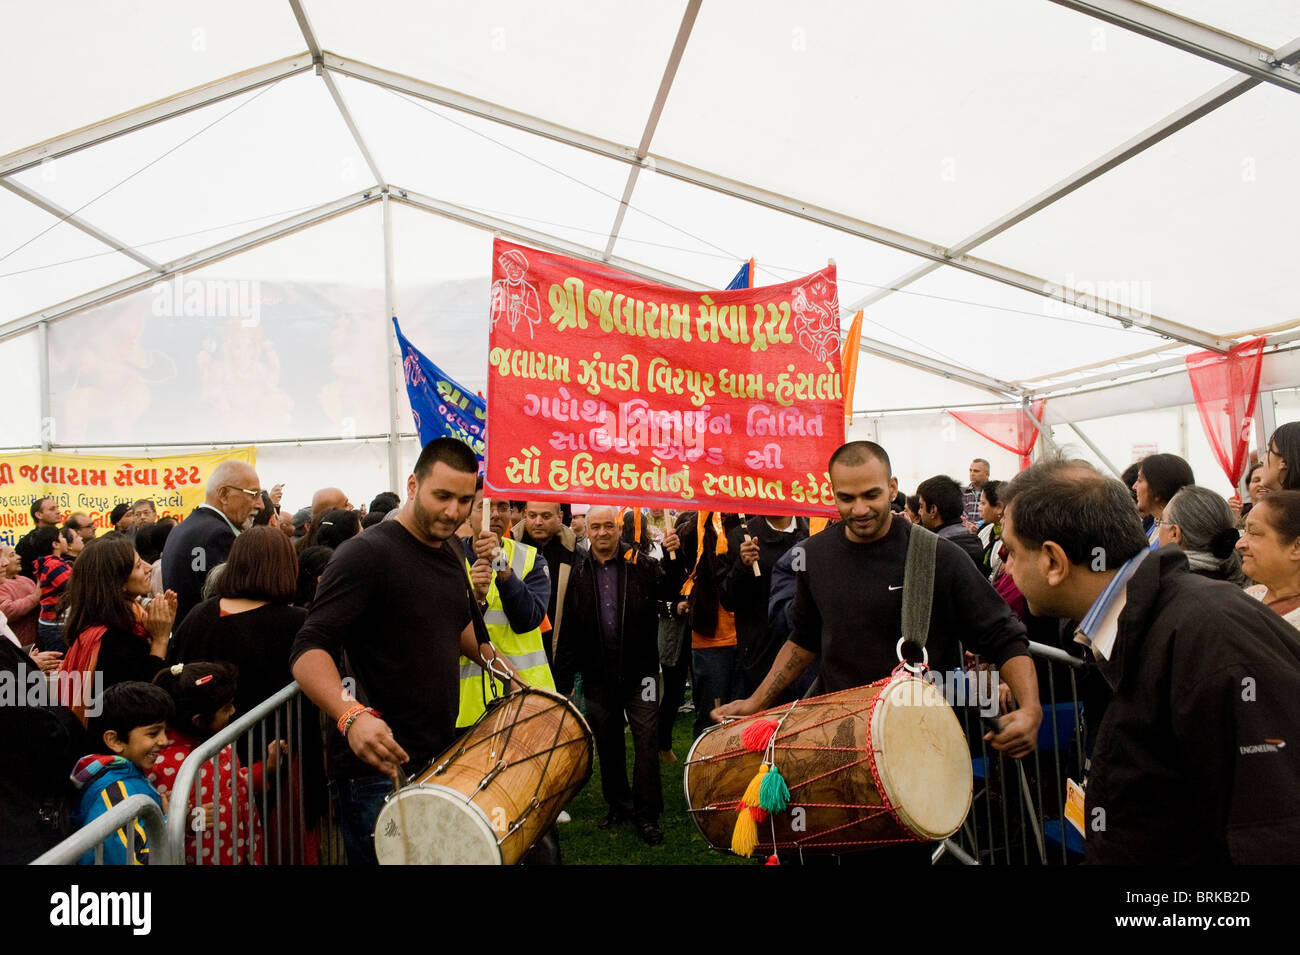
x=918, y=584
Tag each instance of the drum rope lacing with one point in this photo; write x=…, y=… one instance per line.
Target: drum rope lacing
x=871, y=752
x=769, y=757
x=507, y=717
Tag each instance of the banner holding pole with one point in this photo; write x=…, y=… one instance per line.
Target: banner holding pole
x=607, y=389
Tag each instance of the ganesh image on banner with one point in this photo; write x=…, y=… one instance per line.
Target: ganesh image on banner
x=816, y=318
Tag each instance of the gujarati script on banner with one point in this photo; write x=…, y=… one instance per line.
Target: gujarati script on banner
x=606, y=389
x=94, y=484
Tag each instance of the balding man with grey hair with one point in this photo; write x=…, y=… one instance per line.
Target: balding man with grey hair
x=203, y=540
x=611, y=637
x=329, y=499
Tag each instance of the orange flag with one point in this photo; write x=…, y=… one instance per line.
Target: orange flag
x=849, y=364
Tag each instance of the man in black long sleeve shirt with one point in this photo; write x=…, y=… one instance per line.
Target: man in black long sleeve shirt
x=396, y=600
x=848, y=605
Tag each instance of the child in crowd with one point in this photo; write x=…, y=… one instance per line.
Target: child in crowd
x=204, y=698
x=52, y=574
x=128, y=735
x=73, y=544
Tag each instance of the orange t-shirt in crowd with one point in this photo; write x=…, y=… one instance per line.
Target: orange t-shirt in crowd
x=723, y=636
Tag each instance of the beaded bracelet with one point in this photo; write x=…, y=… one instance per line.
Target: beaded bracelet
x=350, y=715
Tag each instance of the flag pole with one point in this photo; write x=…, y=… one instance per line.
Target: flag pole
x=757, y=572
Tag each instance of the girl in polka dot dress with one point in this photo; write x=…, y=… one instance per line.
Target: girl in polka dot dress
x=224, y=825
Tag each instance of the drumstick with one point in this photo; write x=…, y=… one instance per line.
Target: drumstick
x=757, y=572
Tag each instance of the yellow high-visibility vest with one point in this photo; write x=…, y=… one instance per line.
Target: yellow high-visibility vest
x=524, y=652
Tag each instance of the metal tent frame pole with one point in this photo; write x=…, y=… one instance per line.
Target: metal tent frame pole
x=1097, y=451
x=656, y=110
x=43, y=357
x=1048, y=444
x=818, y=215
x=1265, y=424
x=195, y=260
x=331, y=63
x=1203, y=105
x=1191, y=36
x=394, y=356
x=1002, y=389
x=164, y=109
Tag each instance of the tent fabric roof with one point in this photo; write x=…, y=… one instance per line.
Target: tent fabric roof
x=1025, y=193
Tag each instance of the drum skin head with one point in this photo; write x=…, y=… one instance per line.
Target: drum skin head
x=442, y=828
x=922, y=758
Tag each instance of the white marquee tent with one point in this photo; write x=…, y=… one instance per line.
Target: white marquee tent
x=1028, y=197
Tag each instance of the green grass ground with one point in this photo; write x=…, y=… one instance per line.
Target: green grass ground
x=581, y=843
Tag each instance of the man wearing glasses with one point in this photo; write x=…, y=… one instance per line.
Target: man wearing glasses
x=82, y=524
x=203, y=540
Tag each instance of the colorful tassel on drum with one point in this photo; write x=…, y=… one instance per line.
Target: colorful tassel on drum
x=755, y=787
x=745, y=837
x=758, y=734
x=773, y=793
x=748, y=814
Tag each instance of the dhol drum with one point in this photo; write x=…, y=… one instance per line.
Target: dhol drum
x=884, y=764
x=488, y=798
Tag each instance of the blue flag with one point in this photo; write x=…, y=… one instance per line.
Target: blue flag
x=441, y=407
x=742, y=278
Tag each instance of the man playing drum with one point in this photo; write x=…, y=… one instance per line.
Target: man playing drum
x=396, y=600
x=848, y=605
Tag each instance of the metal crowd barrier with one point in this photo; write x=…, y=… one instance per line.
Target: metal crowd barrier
x=272, y=820
x=96, y=833
x=1018, y=812
x=270, y=824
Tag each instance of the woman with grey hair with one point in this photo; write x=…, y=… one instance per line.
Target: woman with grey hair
x=1199, y=521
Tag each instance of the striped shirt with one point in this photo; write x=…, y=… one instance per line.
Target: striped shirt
x=1101, y=624
x=52, y=574
x=970, y=502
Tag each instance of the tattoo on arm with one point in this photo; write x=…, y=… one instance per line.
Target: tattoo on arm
x=791, y=662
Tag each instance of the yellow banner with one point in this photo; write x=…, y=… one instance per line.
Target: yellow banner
x=94, y=485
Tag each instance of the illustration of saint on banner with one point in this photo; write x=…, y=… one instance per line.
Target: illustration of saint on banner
x=512, y=296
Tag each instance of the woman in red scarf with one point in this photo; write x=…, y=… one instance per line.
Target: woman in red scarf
x=111, y=637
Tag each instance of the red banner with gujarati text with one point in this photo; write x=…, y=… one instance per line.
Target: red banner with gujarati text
x=607, y=389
